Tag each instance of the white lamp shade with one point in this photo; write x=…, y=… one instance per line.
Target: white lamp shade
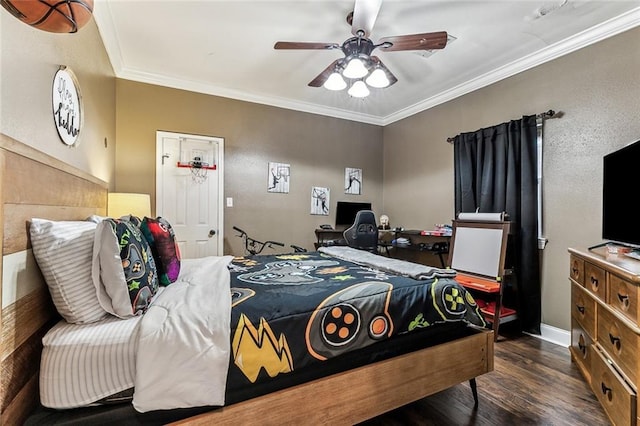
x=359, y=90
x=378, y=79
x=124, y=203
x=335, y=82
x=355, y=69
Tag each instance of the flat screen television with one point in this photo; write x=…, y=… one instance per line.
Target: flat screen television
x=346, y=212
x=620, y=175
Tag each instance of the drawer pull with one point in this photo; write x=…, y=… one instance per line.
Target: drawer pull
x=615, y=341
x=606, y=391
x=594, y=282
x=580, y=308
x=623, y=298
x=583, y=348
x=574, y=271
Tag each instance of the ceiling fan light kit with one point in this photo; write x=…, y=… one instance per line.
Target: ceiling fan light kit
x=378, y=79
x=355, y=68
x=359, y=90
x=358, y=65
x=335, y=82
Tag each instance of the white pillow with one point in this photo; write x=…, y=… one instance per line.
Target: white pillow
x=63, y=251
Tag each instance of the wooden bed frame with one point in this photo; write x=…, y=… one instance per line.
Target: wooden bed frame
x=33, y=184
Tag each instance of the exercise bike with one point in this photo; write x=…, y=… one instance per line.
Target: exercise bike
x=253, y=246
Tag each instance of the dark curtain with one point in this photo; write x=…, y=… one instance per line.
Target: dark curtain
x=495, y=171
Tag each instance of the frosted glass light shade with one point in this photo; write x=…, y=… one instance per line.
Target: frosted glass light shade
x=378, y=79
x=355, y=69
x=359, y=90
x=335, y=82
x=123, y=203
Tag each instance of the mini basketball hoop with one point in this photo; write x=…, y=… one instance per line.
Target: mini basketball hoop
x=199, y=169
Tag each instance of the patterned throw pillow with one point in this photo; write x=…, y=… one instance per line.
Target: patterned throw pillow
x=166, y=253
x=124, y=271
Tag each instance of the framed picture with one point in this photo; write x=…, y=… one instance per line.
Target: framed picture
x=352, y=181
x=320, y=201
x=278, y=177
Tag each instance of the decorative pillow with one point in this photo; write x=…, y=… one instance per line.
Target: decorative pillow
x=166, y=253
x=96, y=218
x=133, y=219
x=124, y=272
x=63, y=251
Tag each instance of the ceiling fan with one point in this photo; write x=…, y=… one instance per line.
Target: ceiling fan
x=359, y=69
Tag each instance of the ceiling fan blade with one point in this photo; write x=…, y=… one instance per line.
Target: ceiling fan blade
x=392, y=78
x=426, y=41
x=305, y=45
x=324, y=75
x=365, y=13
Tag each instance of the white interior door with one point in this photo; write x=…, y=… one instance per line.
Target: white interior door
x=192, y=204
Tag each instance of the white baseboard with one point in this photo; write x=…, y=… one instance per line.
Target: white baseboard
x=553, y=334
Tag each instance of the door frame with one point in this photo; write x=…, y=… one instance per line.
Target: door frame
x=160, y=134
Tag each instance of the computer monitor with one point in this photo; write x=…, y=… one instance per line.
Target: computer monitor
x=346, y=212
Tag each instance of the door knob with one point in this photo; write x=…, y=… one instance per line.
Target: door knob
x=211, y=233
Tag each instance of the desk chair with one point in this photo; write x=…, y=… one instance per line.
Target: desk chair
x=363, y=234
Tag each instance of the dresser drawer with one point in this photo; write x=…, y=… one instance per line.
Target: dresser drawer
x=595, y=280
x=623, y=297
x=615, y=396
x=576, y=269
x=619, y=342
x=583, y=309
x=581, y=350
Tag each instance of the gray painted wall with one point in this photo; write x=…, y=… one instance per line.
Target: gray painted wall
x=317, y=148
x=597, y=89
x=29, y=60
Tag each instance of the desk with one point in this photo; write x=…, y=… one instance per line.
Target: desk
x=329, y=237
x=334, y=237
x=424, y=249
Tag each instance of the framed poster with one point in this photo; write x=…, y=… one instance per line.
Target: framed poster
x=278, y=179
x=352, y=181
x=320, y=200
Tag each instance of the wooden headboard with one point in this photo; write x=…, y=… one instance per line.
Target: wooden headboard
x=32, y=184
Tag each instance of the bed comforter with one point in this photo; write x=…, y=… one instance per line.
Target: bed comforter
x=183, y=347
x=293, y=311
x=286, y=312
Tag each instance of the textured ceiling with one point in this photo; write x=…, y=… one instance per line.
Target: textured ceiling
x=225, y=48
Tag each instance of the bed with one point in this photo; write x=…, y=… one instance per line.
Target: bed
x=378, y=381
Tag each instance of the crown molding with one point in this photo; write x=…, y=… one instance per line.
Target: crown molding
x=590, y=36
x=585, y=38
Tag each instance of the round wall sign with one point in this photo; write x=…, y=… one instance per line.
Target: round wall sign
x=67, y=106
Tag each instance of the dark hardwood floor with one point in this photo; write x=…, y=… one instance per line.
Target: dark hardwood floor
x=534, y=382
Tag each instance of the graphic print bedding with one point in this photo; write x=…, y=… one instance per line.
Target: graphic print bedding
x=291, y=311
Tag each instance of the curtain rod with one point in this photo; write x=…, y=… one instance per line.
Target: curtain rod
x=544, y=115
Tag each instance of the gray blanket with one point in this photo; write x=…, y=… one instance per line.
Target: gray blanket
x=396, y=266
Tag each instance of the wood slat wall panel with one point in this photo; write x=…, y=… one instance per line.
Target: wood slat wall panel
x=33, y=184
x=20, y=367
x=30, y=182
x=2, y=181
x=24, y=318
x=17, y=411
x=18, y=218
x=9, y=144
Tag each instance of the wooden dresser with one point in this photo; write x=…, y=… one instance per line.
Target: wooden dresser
x=605, y=329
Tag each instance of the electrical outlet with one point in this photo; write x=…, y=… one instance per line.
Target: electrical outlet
x=229, y=202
